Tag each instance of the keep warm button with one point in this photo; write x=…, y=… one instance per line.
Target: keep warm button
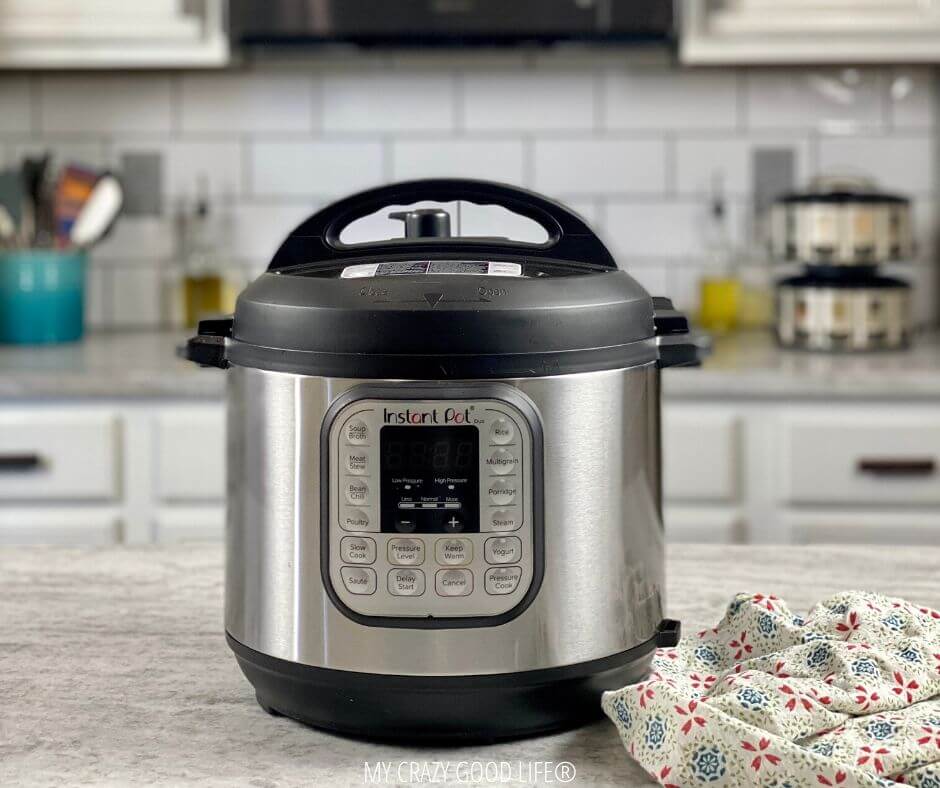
x=502, y=580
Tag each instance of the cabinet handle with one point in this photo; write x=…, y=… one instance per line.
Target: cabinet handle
x=17, y=463
x=886, y=466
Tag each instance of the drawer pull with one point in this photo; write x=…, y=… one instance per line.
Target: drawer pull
x=18, y=463
x=886, y=466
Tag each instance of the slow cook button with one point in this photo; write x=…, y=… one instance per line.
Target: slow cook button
x=505, y=520
x=357, y=462
x=453, y=582
x=501, y=492
x=355, y=520
x=357, y=492
x=406, y=582
x=501, y=462
x=358, y=579
x=453, y=552
x=502, y=432
x=406, y=552
x=502, y=580
x=356, y=432
x=357, y=550
x=502, y=550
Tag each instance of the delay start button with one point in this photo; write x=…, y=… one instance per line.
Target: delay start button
x=406, y=582
x=502, y=580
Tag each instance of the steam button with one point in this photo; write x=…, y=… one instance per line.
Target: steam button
x=502, y=432
x=358, y=579
x=505, y=520
x=501, y=492
x=356, y=432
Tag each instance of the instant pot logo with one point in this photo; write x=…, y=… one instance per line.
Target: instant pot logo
x=429, y=416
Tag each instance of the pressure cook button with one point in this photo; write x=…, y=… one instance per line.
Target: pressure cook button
x=357, y=462
x=501, y=462
x=406, y=552
x=453, y=552
x=355, y=520
x=501, y=492
x=357, y=492
x=406, y=582
x=505, y=520
x=356, y=432
x=357, y=550
x=453, y=582
x=502, y=550
x=502, y=580
x=358, y=579
x=502, y=432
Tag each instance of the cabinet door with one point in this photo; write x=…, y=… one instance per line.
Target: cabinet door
x=191, y=454
x=700, y=454
x=859, y=527
x=703, y=526
x=55, y=526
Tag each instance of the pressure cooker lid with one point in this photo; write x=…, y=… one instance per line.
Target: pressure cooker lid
x=429, y=305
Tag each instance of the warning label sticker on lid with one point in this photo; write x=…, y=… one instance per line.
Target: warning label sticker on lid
x=432, y=267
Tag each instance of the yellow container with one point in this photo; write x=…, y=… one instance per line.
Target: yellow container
x=720, y=303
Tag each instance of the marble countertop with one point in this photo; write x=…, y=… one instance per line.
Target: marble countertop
x=115, y=671
x=747, y=365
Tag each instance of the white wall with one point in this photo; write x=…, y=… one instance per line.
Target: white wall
x=631, y=145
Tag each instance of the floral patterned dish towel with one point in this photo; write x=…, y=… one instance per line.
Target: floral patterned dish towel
x=847, y=696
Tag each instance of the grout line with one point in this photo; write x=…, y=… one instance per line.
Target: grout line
x=317, y=104
x=176, y=106
x=35, y=90
x=741, y=105
x=670, y=165
x=388, y=158
x=247, y=180
x=458, y=107
x=599, y=90
x=528, y=161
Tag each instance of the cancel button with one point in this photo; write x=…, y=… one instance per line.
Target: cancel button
x=502, y=580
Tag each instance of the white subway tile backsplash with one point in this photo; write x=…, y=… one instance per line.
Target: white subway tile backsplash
x=913, y=98
x=653, y=277
x=639, y=230
x=259, y=228
x=600, y=166
x=136, y=297
x=105, y=102
x=64, y=152
x=528, y=101
x=902, y=163
x=138, y=238
x=497, y=160
x=15, y=104
x=97, y=296
x=655, y=98
x=493, y=220
x=306, y=169
x=185, y=163
x=378, y=226
x=276, y=101
x=397, y=101
x=840, y=101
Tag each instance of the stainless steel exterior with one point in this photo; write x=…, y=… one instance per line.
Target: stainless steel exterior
x=602, y=592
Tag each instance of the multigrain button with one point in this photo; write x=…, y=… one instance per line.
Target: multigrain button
x=501, y=492
x=406, y=582
x=355, y=520
x=358, y=579
x=505, y=520
x=357, y=461
x=501, y=462
x=502, y=550
x=357, y=492
x=356, y=432
x=453, y=552
x=453, y=582
x=357, y=550
x=502, y=579
x=502, y=432
x=406, y=552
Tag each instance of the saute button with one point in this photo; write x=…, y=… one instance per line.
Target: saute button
x=357, y=461
x=501, y=462
x=406, y=552
x=358, y=579
x=453, y=552
x=357, y=491
x=501, y=492
x=357, y=550
x=406, y=582
x=502, y=550
x=502, y=432
x=504, y=520
x=453, y=582
x=356, y=432
x=355, y=520
x=502, y=580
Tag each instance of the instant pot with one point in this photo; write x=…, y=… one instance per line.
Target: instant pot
x=444, y=487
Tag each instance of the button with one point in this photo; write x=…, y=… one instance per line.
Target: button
x=453, y=552
x=501, y=492
x=355, y=520
x=503, y=550
x=453, y=582
x=357, y=462
x=358, y=579
x=502, y=580
x=406, y=582
x=357, y=491
x=453, y=524
x=406, y=552
x=501, y=462
x=405, y=524
x=357, y=550
x=505, y=520
x=356, y=432
x=502, y=432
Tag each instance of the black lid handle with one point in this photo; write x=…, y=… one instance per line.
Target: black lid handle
x=317, y=239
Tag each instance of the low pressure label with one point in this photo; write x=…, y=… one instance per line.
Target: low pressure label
x=432, y=268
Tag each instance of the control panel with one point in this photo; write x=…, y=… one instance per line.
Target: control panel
x=430, y=507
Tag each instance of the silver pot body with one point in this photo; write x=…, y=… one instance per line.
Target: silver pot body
x=602, y=588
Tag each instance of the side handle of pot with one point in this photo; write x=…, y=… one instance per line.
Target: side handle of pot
x=676, y=345
x=207, y=348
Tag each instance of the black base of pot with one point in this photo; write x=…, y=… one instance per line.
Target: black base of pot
x=440, y=709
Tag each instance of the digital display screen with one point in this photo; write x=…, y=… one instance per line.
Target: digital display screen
x=430, y=479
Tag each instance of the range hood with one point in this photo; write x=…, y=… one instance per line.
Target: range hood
x=450, y=22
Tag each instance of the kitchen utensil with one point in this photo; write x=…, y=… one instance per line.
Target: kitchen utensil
x=99, y=212
x=73, y=188
x=7, y=227
x=444, y=472
x=11, y=194
x=36, y=219
x=41, y=296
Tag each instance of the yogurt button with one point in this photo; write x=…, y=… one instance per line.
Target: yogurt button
x=501, y=492
x=358, y=579
x=503, y=550
x=502, y=432
x=453, y=582
x=356, y=432
x=502, y=580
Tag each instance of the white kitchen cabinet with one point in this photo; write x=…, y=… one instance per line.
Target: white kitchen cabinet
x=701, y=457
x=190, y=448
x=60, y=526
